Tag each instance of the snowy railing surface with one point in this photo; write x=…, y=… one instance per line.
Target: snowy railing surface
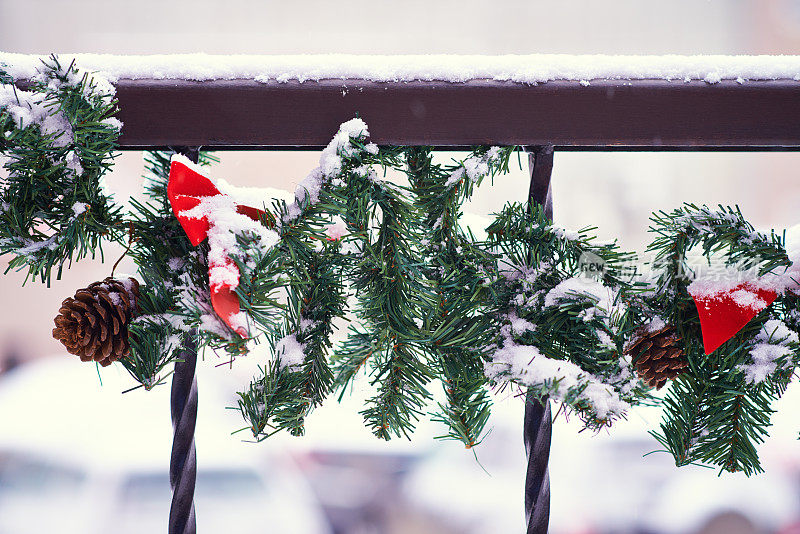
x=543, y=103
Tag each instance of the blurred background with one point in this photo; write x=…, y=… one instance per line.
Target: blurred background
x=77, y=456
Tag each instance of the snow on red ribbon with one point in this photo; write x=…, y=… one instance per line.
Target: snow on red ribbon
x=724, y=312
x=186, y=190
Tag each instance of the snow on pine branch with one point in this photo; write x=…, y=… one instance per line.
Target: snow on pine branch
x=528, y=69
x=771, y=350
x=560, y=379
x=605, y=299
x=29, y=109
x=29, y=248
x=37, y=108
x=193, y=296
x=330, y=164
x=289, y=352
x=475, y=168
x=601, y=397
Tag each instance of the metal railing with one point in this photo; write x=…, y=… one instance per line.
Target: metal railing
x=653, y=115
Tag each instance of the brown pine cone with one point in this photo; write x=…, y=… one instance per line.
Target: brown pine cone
x=94, y=323
x=657, y=355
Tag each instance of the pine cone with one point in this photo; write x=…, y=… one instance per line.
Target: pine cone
x=657, y=355
x=94, y=323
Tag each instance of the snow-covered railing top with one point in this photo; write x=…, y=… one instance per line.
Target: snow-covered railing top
x=526, y=69
x=572, y=102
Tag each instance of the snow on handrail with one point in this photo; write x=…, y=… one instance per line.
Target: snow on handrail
x=527, y=69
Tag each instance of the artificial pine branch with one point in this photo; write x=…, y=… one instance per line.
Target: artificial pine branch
x=313, y=266
x=167, y=265
x=730, y=417
x=59, y=136
x=389, y=291
x=549, y=310
x=385, y=279
x=716, y=413
x=456, y=328
x=315, y=299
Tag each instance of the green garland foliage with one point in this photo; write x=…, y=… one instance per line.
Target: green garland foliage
x=172, y=273
x=286, y=393
x=562, y=297
x=58, y=137
x=316, y=270
x=387, y=284
x=455, y=268
x=714, y=413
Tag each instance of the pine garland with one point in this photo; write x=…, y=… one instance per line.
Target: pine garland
x=561, y=333
x=173, y=276
x=289, y=390
x=719, y=411
x=58, y=136
x=455, y=320
x=385, y=278
x=533, y=306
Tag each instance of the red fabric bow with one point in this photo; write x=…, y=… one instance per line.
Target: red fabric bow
x=724, y=313
x=186, y=189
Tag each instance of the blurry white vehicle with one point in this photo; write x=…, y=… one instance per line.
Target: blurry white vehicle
x=602, y=483
x=76, y=457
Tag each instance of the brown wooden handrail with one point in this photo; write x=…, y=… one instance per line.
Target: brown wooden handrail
x=605, y=115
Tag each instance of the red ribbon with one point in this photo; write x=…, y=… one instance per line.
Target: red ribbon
x=186, y=189
x=723, y=314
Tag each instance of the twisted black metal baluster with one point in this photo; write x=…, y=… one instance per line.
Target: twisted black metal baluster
x=183, y=406
x=183, y=461
x=538, y=424
x=537, y=430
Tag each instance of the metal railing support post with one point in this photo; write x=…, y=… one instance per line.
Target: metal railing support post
x=183, y=407
x=537, y=429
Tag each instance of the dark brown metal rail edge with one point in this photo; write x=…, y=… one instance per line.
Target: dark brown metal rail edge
x=605, y=115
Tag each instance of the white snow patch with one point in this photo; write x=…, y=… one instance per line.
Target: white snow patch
x=240, y=322
x=578, y=287
x=175, y=263
x=210, y=322
x=73, y=162
x=528, y=69
x=519, y=326
x=530, y=367
x=337, y=229
x=79, y=208
x=771, y=344
x=474, y=168
x=289, y=352
x=562, y=233
x=255, y=197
